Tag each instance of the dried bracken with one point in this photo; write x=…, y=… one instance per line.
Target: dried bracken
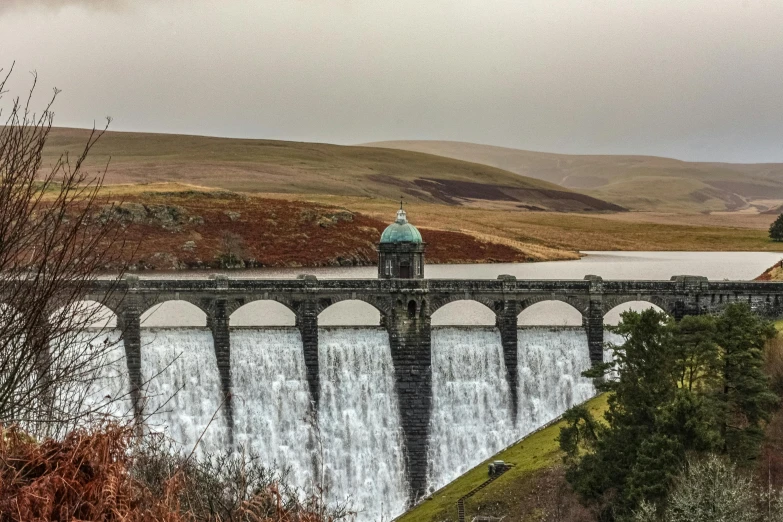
x=100, y=475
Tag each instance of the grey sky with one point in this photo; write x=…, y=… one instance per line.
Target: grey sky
x=698, y=80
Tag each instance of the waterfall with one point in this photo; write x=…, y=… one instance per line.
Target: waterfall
x=359, y=422
x=182, y=387
x=551, y=361
x=108, y=394
x=271, y=401
x=96, y=385
x=471, y=410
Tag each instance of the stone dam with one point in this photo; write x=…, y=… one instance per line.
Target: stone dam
x=378, y=415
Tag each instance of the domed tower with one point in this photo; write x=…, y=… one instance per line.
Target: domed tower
x=401, y=250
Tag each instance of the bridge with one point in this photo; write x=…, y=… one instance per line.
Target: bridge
x=406, y=307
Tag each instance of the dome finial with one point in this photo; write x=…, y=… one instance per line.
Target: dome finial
x=400, y=202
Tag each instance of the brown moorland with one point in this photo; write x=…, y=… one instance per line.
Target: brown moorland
x=245, y=165
x=181, y=229
x=636, y=182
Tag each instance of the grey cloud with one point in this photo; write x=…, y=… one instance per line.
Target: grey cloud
x=694, y=80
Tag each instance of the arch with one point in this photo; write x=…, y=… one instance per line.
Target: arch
x=463, y=312
x=350, y=312
x=263, y=312
x=611, y=302
x=175, y=312
x=89, y=313
x=612, y=316
x=412, y=309
x=580, y=304
x=550, y=313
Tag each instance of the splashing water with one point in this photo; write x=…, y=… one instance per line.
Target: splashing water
x=182, y=388
x=359, y=422
x=271, y=401
x=551, y=361
x=471, y=409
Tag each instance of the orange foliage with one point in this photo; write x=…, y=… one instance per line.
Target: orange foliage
x=88, y=477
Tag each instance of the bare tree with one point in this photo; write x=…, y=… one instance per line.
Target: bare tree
x=55, y=239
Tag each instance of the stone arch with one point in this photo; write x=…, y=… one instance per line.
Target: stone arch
x=579, y=303
x=437, y=304
x=93, y=313
x=262, y=312
x=349, y=312
x=464, y=312
x=612, y=315
x=550, y=312
x=174, y=312
x=382, y=305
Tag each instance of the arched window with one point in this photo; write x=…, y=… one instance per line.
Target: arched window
x=411, y=309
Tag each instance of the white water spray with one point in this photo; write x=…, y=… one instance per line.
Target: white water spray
x=271, y=401
x=471, y=407
x=551, y=361
x=359, y=422
x=182, y=391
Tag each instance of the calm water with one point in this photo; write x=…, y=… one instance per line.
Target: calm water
x=609, y=265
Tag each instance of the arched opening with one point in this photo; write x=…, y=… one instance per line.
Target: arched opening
x=173, y=313
x=350, y=313
x=263, y=313
x=550, y=313
x=411, y=309
x=612, y=317
x=463, y=312
x=87, y=314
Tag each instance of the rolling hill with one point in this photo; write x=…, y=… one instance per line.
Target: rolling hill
x=315, y=168
x=636, y=182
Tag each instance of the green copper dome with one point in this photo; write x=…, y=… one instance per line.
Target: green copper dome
x=401, y=231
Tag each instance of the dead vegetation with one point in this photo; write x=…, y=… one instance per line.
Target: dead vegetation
x=110, y=474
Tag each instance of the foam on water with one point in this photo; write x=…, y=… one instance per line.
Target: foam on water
x=471, y=409
x=551, y=361
x=182, y=387
x=271, y=401
x=360, y=432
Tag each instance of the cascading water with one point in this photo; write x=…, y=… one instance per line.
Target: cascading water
x=471, y=407
x=551, y=361
x=96, y=384
x=360, y=432
x=108, y=394
x=182, y=388
x=271, y=401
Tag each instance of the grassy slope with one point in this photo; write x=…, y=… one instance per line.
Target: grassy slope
x=532, y=231
x=636, y=182
x=283, y=167
x=533, y=453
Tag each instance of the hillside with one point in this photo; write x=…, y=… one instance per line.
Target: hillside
x=169, y=227
x=635, y=182
x=533, y=489
x=314, y=168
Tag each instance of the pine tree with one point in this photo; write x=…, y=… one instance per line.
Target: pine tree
x=776, y=229
x=691, y=387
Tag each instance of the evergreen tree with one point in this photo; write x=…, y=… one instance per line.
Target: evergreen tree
x=746, y=396
x=689, y=387
x=776, y=229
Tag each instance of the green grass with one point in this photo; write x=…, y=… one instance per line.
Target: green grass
x=533, y=453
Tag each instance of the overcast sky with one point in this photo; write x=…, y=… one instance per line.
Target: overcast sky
x=696, y=80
